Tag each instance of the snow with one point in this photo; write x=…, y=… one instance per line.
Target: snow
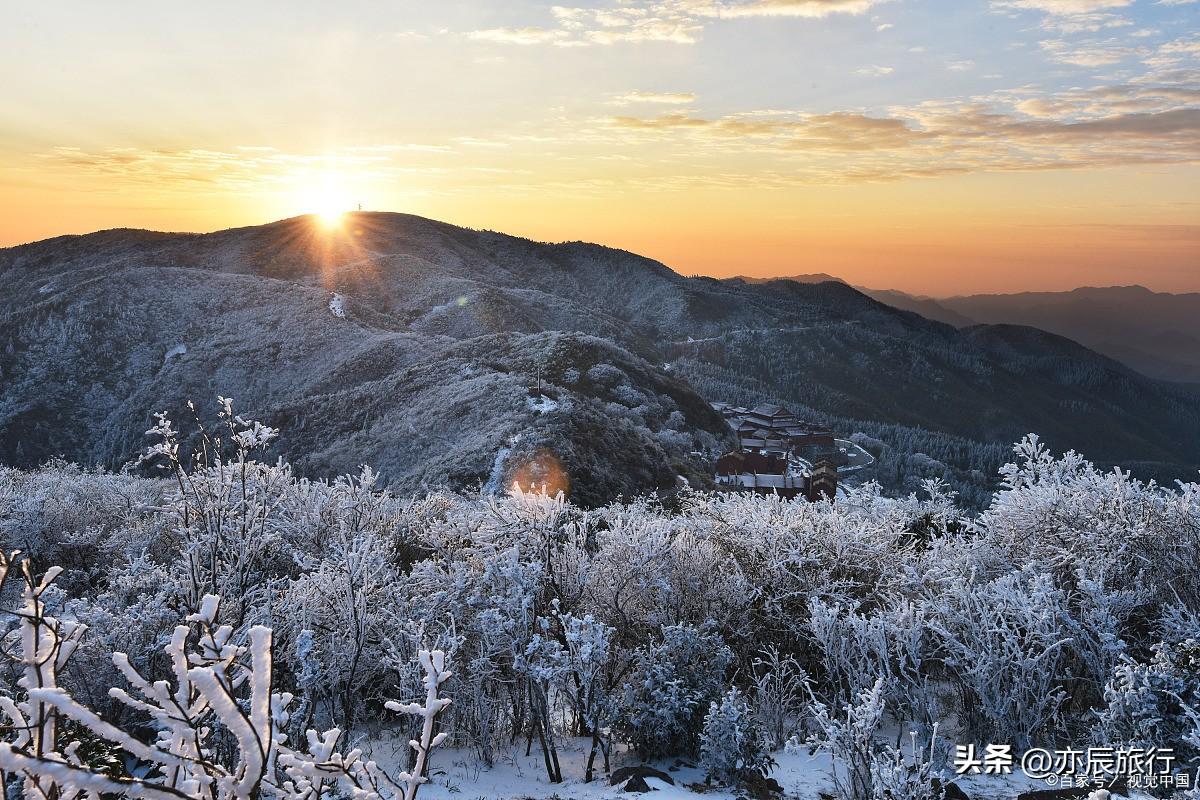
x=668, y=595
x=337, y=305
x=541, y=404
x=494, y=484
x=457, y=775
x=442, y=308
x=177, y=350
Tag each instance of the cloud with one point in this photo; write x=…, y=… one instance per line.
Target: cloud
x=875, y=70
x=1085, y=23
x=1041, y=107
x=668, y=21
x=838, y=131
x=1091, y=53
x=663, y=98
x=525, y=36
x=194, y=168
x=659, y=123
x=1103, y=126
x=244, y=168
x=815, y=9
x=1062, y=7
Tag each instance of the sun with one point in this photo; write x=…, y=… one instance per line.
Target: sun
x=330, y=217
x=329, y=209
x=328, y=201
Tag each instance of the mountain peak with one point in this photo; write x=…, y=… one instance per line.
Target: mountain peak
x=812, y=277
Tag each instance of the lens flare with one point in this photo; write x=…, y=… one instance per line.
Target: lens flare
x=541, y=472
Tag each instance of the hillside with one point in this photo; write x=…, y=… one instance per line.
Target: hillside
x=412, y=345
x=1156, y=333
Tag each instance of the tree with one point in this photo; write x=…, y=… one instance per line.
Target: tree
x=221, y=688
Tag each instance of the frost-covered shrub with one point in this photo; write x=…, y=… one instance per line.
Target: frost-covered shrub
x=673, y=683
x=848, y=734
x=732, y=745
x=867, y=769
x=606, y=376
x=890, y=645
x=1151, y=705
x=1006, y=645
x=84, y=521
x=779, y=692
x=1063, y=514
x=915, y=776
x=219, y=723
x=626, y=623
x=349, y=605
x=220, y=511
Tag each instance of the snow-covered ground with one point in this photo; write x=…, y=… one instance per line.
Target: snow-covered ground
x=337, y=306
x=458, y=775
x=442, y=308
x=493, y=485
x=542, y=404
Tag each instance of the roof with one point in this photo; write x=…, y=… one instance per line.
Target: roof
x=770, y=410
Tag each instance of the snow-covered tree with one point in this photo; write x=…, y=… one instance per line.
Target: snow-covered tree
x=671, y=687
x=220, y=687
x=732, y=745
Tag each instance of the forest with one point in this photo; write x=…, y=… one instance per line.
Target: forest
x=231, y=630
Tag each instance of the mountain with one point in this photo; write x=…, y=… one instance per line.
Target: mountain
x=419, y=364
x=413, y=345
x=927, y=307
x=1156, y=333
x=810, y=277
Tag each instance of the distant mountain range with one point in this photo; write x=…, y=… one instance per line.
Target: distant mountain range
x=1154, y=332
x=414, y=346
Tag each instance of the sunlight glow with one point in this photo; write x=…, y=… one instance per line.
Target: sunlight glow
x=330, y=217
x=328, y=201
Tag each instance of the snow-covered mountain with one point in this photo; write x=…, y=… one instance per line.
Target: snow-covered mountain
x=413, y=345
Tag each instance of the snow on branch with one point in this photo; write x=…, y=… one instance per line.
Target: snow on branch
x=219, y=684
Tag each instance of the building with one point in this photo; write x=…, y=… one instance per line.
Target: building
x=773, y=428
x=777, y=454
x=768, y=473
x=743, y=471
x=822, y=482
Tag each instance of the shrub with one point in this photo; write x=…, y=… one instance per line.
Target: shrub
x=673, y=683
x=732, y=745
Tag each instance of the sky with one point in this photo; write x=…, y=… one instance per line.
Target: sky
x=939, y=147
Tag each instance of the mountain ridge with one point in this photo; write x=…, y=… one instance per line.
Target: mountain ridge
x=88, y=325
x=1157, y=333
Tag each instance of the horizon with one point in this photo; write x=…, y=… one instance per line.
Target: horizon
x=934, y=148
x=336, y=221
